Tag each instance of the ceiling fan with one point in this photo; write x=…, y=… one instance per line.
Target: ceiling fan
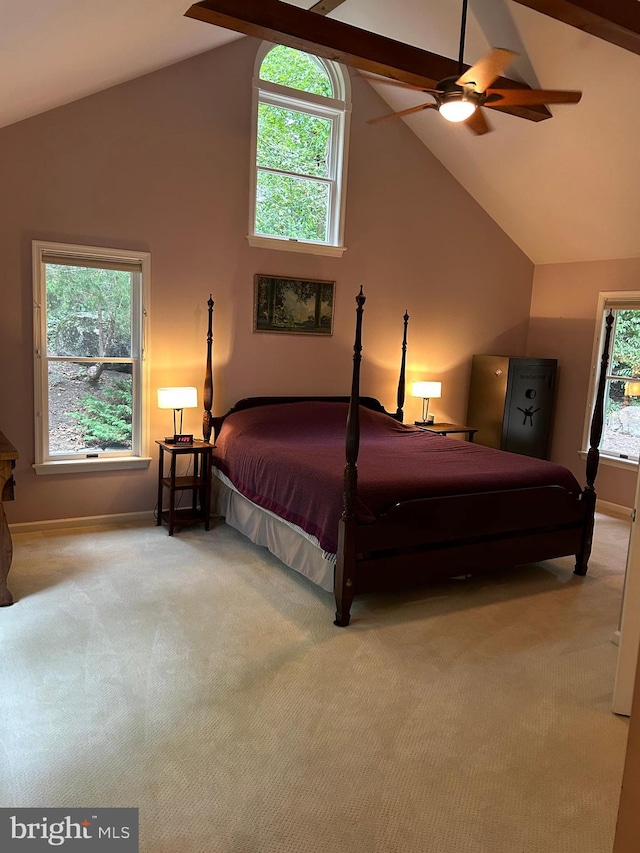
x=459, y=98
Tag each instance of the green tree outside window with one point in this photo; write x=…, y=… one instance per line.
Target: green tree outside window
x=293, y=151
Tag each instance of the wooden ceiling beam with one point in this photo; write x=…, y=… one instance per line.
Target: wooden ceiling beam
x=615, y=21
x=302, y=29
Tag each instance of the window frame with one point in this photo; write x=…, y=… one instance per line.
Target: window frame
x=138, y=456
x=616, y=300
x=338, y=110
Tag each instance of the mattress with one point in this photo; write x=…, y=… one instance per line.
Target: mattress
x=289, y=459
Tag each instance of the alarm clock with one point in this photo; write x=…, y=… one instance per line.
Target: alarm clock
x=180, y=438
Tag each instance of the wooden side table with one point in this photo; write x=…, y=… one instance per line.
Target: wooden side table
x=8, y=456
x=198, y=483
x=441, y=428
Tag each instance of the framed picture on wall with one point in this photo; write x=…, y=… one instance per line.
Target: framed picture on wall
x=293, y=306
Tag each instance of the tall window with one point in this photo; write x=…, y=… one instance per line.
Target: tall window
x=621, y=435
x=301, y=130
x=89, y=323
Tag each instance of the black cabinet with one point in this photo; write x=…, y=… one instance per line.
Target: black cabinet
x=511, y=402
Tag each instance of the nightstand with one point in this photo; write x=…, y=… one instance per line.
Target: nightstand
x=441, y=428
x=198, y=484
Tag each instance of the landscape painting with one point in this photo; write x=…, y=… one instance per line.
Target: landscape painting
x=298, y=306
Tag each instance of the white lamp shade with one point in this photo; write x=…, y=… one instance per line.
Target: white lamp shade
x=177, y=398
x=457, y=110
x=426, y=390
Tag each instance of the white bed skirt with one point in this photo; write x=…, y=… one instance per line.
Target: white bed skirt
x=288, y=542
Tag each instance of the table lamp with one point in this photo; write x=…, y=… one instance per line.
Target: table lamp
x=178, y=399
x=426, y=390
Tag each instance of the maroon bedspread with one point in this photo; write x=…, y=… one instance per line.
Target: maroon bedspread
x=289, y=458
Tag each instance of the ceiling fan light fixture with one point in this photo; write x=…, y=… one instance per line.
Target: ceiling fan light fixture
x=457, y=109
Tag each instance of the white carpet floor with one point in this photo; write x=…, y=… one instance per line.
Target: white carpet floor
x=199, y=680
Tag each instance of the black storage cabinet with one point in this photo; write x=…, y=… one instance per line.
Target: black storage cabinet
x=511, y=403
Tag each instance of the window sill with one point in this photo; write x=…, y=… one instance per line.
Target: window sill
x=296, y=246
x=613, y=461
x=82, y=466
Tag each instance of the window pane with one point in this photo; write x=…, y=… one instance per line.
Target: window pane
x=621, y=435
x=625, y=359
x=88, y=311
x=292, y=141
x=90, y=407
x=291, y=207
x=297, y=70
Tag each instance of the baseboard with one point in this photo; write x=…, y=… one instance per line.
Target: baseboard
x=616, y=510
x=82, y=521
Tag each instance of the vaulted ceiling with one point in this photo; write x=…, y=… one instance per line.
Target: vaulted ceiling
x=564, y=189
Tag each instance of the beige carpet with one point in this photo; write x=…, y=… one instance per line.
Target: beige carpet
x=198, y=679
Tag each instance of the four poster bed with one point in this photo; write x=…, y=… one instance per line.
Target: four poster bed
x=407, y=507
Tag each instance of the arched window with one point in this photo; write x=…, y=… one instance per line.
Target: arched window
x=301, y=133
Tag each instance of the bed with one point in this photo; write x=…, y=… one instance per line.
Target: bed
x=407, y=507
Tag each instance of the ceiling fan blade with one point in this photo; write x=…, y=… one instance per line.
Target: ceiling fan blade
x=477, y=122
x=528, y=97
x=486, y=70
x=387, y=81
x=406, y=112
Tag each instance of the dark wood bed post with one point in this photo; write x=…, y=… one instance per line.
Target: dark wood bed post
x=401, y=380
x=593, y=456
x=344, y=581
x=208, y=379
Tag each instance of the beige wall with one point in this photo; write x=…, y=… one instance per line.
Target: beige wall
x=562, y=326
x=162, y=164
